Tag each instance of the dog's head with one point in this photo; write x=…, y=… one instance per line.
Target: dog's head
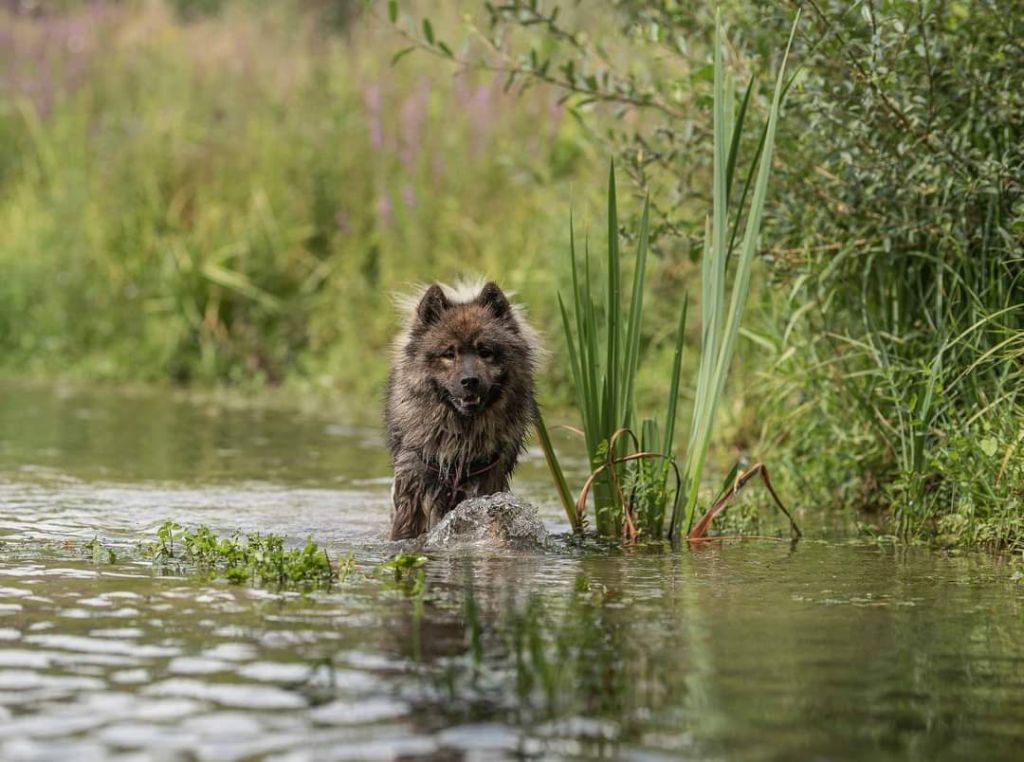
x=467, y=349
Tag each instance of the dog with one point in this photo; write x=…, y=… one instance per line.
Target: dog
x=460, y=400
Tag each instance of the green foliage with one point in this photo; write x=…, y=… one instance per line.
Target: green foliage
x=896, y=314
x=408, y=572
x=720, y=340
x=258, y=559
x=603, y=337
x=100, y=553
x=402, y=564
x=229, y=195
x=561, y=484
x=609, y=63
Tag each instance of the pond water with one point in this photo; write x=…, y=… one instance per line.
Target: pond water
x=756, y=650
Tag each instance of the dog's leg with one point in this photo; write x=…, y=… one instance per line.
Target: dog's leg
x=407, y=516
x=436, y=504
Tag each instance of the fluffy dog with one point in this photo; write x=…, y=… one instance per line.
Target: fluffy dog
x=460, y=400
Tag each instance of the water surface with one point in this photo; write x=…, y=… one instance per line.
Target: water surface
x=753, y=650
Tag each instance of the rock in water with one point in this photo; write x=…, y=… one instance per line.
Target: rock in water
x=501, y=520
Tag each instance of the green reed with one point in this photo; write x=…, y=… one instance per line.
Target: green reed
x=630, y=479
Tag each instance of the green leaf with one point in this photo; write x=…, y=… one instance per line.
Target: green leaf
x=402, y=54
x=673, y=388
x=393, y=11
x=612, y=376
x=240, y=284
x=428, y=31
x=737, y=131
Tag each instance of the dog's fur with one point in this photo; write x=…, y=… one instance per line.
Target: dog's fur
x=459, y=402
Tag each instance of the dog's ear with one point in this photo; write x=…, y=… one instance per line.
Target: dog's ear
x=495, y=300
x=433, y=303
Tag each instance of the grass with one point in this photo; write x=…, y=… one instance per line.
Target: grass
x=898, y=372
x=630, y=478
x=930, y=415
x=406, y=572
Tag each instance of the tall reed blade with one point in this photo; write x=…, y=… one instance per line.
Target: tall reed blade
x=673, y=403
x=561, y=485
x=613, y=321
x=636, y=306
x=717, y=351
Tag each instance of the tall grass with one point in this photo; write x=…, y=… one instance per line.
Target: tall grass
x=630, y=479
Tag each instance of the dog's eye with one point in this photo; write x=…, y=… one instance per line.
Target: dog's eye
x=486, y=353
x=449, y=354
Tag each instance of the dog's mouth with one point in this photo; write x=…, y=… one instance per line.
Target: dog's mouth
x=468, y=404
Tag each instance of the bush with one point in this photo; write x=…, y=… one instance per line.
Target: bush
x=906, y=254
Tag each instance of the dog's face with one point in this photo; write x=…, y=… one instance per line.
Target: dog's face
x=466, y=350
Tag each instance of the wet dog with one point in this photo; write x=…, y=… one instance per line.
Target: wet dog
x=459, y=403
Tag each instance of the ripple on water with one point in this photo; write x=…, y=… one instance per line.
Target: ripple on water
x=359, y=712
x=58, y=510
x=247, y=695
x=24, y=680
x=275, y=672
x=197, y=665
x=90, y=645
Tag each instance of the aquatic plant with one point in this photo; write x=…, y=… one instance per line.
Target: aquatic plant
x=630, y=472
x=402, y=563
x=99, y=553
x=258, y=558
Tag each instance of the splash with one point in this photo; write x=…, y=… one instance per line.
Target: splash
x=501, y=520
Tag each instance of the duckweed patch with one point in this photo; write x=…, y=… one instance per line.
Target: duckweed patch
x=259, y=559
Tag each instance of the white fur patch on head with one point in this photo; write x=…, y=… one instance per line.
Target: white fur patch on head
x=464, y=291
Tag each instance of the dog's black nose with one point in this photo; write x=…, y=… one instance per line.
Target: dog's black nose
x=470, y=383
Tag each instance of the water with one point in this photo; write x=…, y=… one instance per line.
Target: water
x=751, y=650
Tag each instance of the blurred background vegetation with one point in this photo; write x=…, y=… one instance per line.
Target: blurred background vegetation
x=231, y=192
x=228, y=192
